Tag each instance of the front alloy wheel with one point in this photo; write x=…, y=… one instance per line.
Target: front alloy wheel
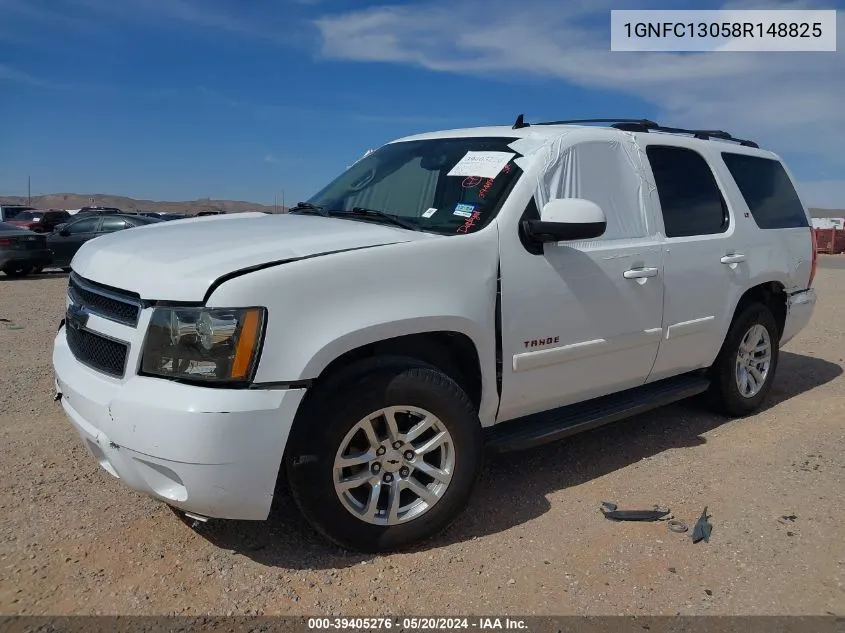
x=394, y=465
x=385, y=456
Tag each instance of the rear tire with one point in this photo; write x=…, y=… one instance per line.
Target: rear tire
x=17, y=270
x=372, y=486
x=745, y=368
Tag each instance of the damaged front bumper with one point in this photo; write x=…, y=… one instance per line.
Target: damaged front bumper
x=211, y=452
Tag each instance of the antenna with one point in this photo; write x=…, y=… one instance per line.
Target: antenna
x=520, y=122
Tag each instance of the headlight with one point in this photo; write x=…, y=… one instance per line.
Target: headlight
x=205, y=344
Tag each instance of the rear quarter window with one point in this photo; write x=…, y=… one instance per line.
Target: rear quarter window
x=767, y=190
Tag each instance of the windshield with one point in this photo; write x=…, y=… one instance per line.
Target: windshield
x=28, y=216
x=447, y=185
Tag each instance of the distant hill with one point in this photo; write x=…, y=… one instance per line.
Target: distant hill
x=77, y=200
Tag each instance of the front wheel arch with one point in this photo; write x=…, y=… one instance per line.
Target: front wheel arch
x=335, y=406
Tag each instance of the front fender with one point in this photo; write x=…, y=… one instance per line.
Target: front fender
x=323, y=307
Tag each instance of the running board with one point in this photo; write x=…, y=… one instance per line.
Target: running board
x=550, y=426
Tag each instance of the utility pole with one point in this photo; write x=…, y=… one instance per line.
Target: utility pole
x=283, y=200
x=28, y=191
x=275, y=207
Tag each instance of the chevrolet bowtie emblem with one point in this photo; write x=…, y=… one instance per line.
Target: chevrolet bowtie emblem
x=76, y=317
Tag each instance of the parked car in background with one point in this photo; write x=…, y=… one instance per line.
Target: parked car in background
x=71, y=236
x=210, y=213
x=22, y=251
x=50, y=220
x=97, y=211
x=9, y=211
x=26, y=219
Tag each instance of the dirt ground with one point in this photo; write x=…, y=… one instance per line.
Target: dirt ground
x=73, y=540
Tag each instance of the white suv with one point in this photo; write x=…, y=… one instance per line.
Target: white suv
x=498, y=287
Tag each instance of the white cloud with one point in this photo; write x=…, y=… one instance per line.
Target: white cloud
x=790, y=102
x=237, y=19
x=269, y=158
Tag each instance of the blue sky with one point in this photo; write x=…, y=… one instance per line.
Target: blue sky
x=246, y=99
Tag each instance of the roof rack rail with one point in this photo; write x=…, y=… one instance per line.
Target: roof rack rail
x=520, y=122
x=643, y=125
x=703, y=134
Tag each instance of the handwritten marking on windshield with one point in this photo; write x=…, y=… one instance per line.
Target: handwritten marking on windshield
x=469, y=222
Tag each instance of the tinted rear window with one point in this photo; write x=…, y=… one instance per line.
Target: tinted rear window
x=767, y=191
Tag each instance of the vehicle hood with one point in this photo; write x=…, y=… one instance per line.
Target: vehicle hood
x=179, y=260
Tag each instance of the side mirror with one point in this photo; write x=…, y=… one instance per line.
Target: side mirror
x=566, y=219
x=64, y=232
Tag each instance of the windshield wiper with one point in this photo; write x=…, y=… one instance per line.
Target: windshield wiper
x=308, y=207
x=375, y=213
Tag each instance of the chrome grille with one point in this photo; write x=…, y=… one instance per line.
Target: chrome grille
x=108, y=303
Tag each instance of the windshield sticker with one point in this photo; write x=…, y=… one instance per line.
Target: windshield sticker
x=481, y=164
x=470, y=182
x=469, y=222
x=429, y=212
x=464, y=210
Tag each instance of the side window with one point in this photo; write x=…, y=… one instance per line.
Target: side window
x=689, y=196
x=113, y=224
x=767, y=190
x=602, y=172
x=88, y=225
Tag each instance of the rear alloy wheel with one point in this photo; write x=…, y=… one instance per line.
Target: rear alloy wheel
x=17, y=270
x=753, y=361
x=385, y=458
x=745, y=368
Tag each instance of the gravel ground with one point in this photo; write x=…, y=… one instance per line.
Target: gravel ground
x=73, y=540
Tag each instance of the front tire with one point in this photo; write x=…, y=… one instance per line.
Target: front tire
x=745, y=368
x=387, y=458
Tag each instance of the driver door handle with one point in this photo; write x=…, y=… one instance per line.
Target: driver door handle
x=738, y=258
x=640, y=273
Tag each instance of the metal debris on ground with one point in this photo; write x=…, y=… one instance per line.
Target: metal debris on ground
x=611, y=511
x=677, y=526
x=702, y=529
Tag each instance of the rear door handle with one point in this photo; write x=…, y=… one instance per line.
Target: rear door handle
x=640, y=273
x=738, y=258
